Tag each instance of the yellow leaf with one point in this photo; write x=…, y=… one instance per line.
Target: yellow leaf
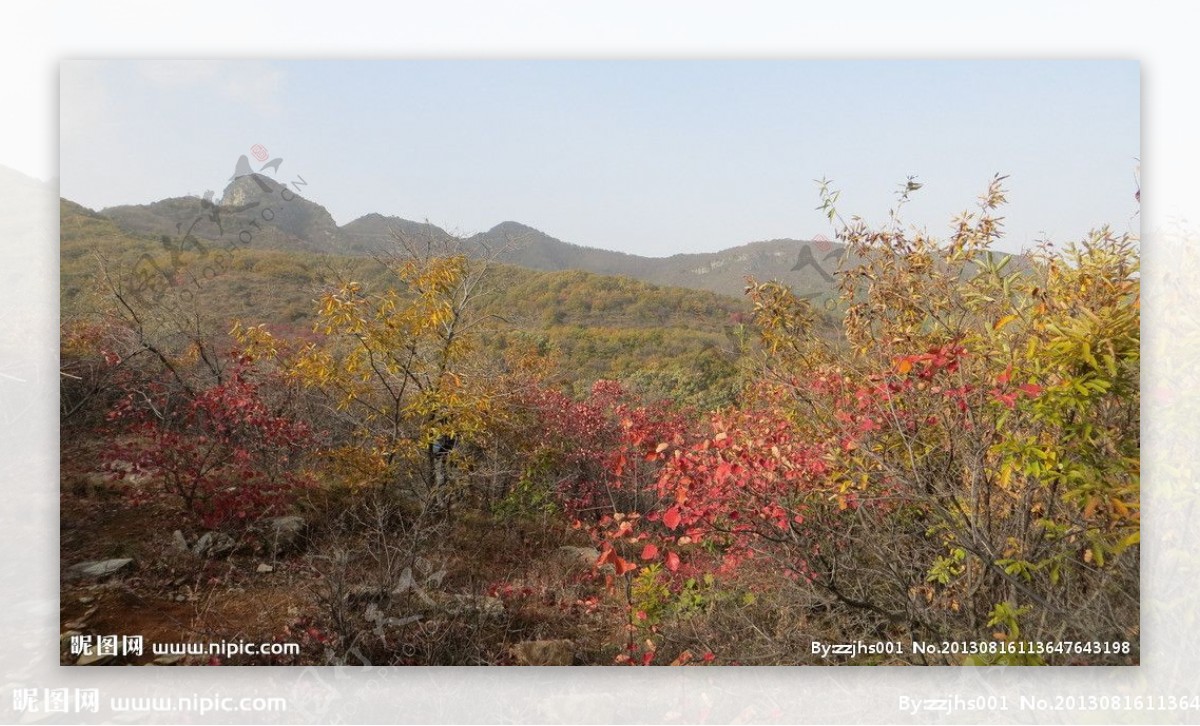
x=1004, y=321
x=1119, y=507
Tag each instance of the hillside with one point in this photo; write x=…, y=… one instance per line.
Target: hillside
x=722, y=272
x=274, y=218
x=654, y=337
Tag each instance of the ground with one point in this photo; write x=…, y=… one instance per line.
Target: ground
x=476, y=594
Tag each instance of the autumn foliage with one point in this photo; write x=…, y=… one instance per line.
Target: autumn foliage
x=222, y=452
x=965, y=467
x=951, y=453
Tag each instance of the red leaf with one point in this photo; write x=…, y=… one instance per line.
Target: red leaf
x=672, y=561
x=649, y=552
x=671, y=518
x=623, y=565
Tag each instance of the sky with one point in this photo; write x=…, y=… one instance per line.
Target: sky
x=651, y=157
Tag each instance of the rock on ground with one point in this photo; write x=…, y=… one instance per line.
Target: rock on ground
x=214, y=544
x=99, y=568
x=284, y=533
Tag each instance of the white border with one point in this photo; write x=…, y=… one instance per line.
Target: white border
x=35, y=37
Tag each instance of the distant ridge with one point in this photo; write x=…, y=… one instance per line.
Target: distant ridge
x=723, y=272
x=275, y=218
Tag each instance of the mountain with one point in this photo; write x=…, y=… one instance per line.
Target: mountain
x=374, y=232
x=722, y=272
x=255, y=210
x=532, y=248
x=252, y=210
x=259, y=197
x=666, y=342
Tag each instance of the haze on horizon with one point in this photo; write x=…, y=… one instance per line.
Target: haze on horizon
x=647, y=157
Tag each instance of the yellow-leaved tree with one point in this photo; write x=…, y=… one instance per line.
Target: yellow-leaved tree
x=397, y=363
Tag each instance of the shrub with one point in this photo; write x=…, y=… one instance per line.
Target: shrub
x=223, y=453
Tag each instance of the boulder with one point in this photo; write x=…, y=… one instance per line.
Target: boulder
x=544, y=653
x=98, y=568
x=214, y=544
x=284, y=533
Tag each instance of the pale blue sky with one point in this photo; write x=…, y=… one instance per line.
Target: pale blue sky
x=651, y=157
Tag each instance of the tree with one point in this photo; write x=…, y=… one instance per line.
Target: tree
x=398, y=364
x=965, y=465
